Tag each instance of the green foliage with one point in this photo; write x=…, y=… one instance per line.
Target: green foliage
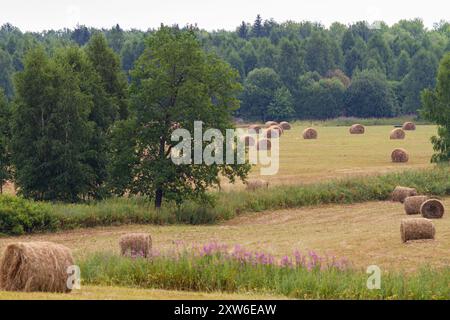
x=213, y=273
x=436, y=108
x=175, y=83
x=259, y=91
x=107, y=64
x=50, y=131
x=282, y=106
x=319, y=98
x=422, y=76
x=19, y=216
x=319, y=53
x=370, y=95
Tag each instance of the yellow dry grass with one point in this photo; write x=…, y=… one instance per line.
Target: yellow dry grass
x=338, y=154
x=120, y=293
x=366, y=234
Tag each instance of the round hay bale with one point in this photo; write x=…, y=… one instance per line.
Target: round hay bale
x=35, y=267
x=255, y=127
x=248, y=141
x=409, y=126
x=136, y=245
x=417, y=229
x=397, y=134
x=401, y=193
x=265, y=144
x=413, y=204
x=310, y=134
x=271, y=123
x=432, y=209
x=400, y=156
x=285, y=125
x=278, y=129
x=357, y=129
x=272, y=133
x=255, y=184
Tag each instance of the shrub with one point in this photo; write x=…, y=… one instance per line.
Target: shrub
x=19, y=216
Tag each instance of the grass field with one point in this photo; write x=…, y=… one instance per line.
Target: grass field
x=338, y=154
x=364, y=233
x=367, y=233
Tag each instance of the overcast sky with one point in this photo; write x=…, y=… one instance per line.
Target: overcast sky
x=211, y=14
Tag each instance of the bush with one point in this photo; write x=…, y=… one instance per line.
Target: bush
x=19, y=216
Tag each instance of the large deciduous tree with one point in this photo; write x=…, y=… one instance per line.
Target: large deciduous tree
x=173, y=84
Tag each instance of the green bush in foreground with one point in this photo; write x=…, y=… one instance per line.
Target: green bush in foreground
x=19, y=216
x=210, y=273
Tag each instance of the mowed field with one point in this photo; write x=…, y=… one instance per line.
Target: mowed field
x=338, y=154
x=366, y=234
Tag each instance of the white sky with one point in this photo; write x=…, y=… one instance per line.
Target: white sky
x=211, y=14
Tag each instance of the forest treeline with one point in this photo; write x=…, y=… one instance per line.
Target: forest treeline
x=289, y=70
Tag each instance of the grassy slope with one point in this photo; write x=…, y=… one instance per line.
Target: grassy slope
x=366, y=233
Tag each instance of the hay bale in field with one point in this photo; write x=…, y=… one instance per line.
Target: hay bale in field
x=357, y=129
x=35, y=267
x=255, y=184
x=400, y=156
x=278, y=129
x=413, y=204
x=401, y=193
x=264, y=144
x=271, y=133
x=417, y=229
x=285, y=125
x=136, y=245
x=310, y=134
x=248, y=141
x=432, y=209
x=271, y=123
x=397, y=134
x=409, y=126
x=255, y=127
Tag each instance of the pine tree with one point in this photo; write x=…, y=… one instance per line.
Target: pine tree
x=258, y=28
x=107, y=64
x=243, y=30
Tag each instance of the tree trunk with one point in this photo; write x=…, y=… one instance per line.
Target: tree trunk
x=158, y=198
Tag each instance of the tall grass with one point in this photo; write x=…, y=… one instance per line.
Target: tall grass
x=214, y=272
x=120, y=211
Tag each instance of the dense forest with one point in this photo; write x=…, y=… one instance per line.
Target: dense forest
x=289, y=70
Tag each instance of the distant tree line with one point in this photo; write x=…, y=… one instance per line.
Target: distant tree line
x=290, y=70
